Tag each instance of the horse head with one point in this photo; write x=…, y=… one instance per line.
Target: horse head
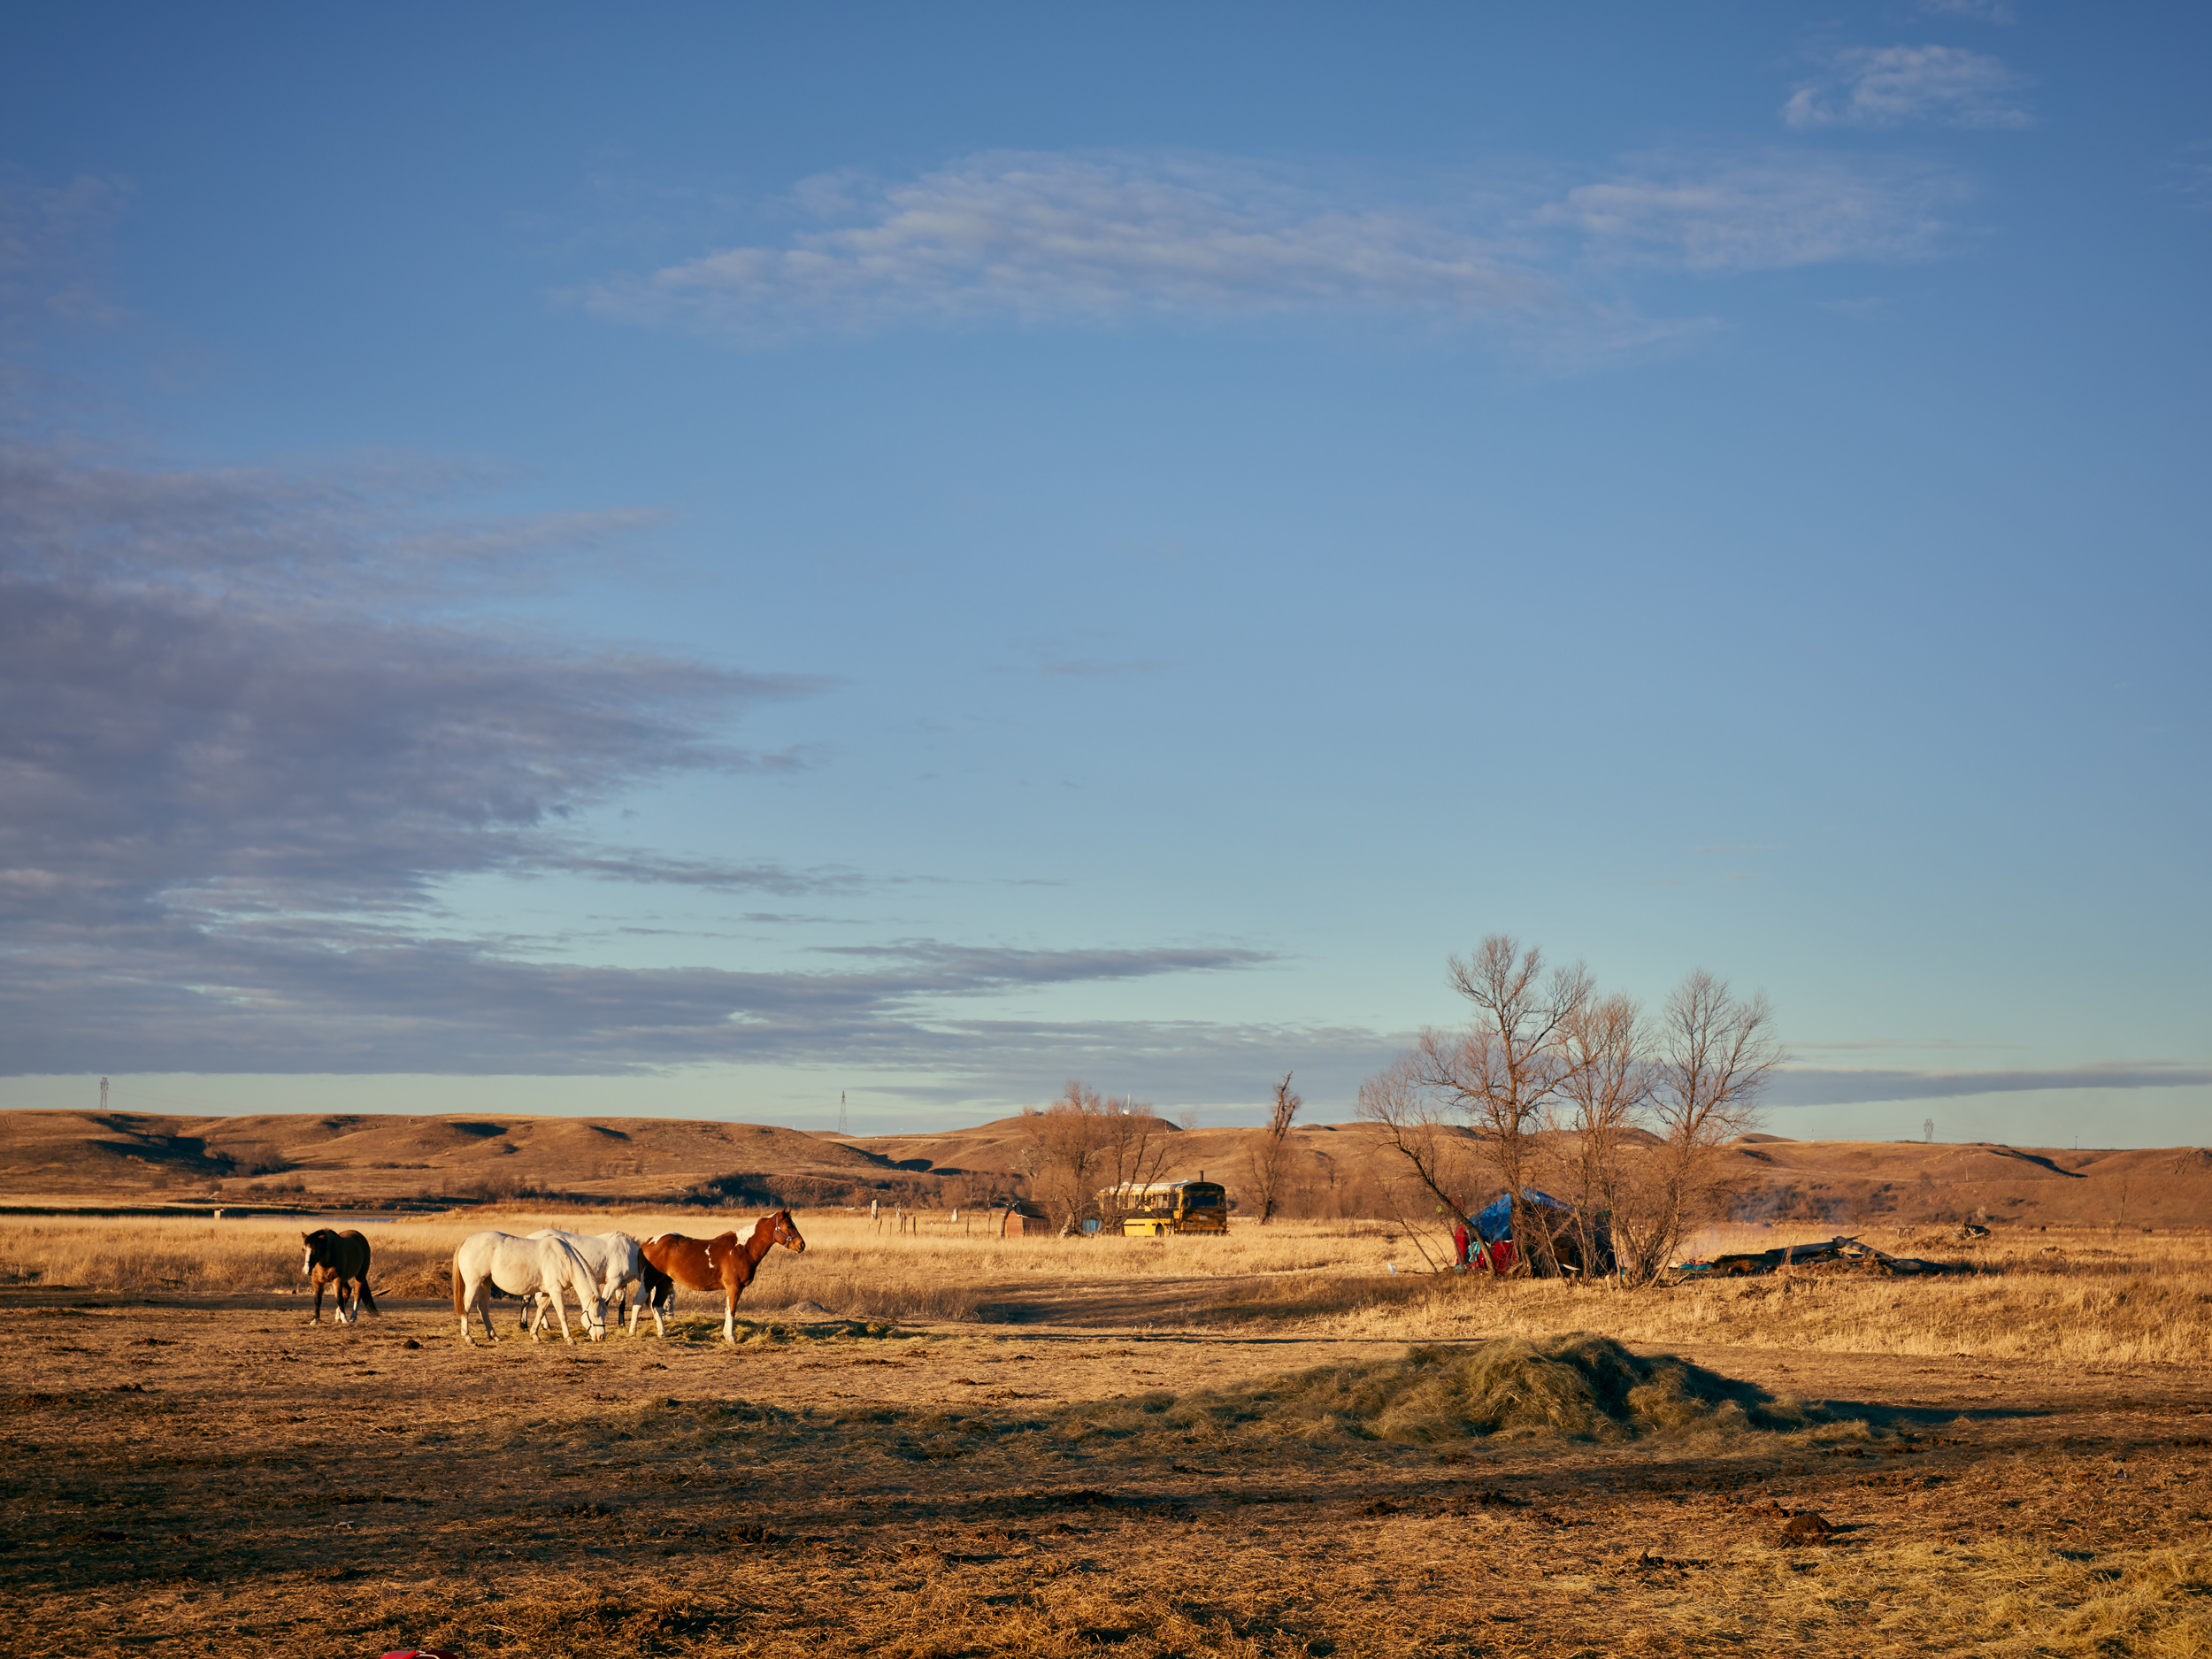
x=787, y=1232
x=625, y=1264
x=317, y=1242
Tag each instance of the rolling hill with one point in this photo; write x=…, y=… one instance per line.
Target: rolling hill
x=1334, y=1170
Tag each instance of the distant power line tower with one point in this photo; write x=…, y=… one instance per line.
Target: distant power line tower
x=841, y=1111
x=103, y=1094
x=1927, y=1128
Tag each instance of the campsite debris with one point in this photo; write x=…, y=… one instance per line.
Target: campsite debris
x=1485, y=1239
x=1805, y=1527
x=1834, y=1255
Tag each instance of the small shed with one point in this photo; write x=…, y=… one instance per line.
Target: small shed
x=1020, y=1219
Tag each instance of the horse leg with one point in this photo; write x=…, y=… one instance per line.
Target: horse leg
x=317, y=1279
x=480, y=1295
x=560, y=1307
x=729, y=1315
x=477, y=1300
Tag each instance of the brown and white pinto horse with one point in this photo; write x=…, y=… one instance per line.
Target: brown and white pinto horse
x=340, y=1259
x=721, y=1263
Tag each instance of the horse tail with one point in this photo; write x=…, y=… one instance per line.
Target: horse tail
x=367, y=1298
x=460, y=1308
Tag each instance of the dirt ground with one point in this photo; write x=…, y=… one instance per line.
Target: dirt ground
x=213, y=1474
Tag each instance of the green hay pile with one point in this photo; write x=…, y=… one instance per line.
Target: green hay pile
x=1580, y=1388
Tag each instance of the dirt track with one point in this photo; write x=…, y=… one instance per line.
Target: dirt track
x=210, y=1469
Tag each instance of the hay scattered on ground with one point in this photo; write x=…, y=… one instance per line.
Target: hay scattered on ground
x=1578, y=1387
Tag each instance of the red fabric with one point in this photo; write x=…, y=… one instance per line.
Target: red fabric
x=1497, y=1257
x=423, y=1653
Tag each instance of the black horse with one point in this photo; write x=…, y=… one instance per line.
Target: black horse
x=342, y=1259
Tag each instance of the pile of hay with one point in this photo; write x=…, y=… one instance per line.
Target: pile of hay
x=1578, y=1387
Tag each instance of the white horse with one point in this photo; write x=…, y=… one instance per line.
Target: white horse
x=615, y=1263
x=524, y=1267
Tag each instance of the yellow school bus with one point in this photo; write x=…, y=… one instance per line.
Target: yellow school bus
x=1161, y=1207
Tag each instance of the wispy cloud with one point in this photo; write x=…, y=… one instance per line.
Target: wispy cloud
x=232, y=701
x=272, y=997
x=1813, y=1086
x=1119, y=236
x=714, y=876
x=1055, y=236
x=234, y=685
x=1899, y=85
x=1771, y=212
x=1971, y=10
x=247, y=743
x=967, y=968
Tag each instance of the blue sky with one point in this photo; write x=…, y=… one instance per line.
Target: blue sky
x=684, y=566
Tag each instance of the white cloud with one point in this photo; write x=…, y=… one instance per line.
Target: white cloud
x=1111, y=237
x=1972, y=11
x=1057, y=237
x=1898, y=86
x=1764, y=214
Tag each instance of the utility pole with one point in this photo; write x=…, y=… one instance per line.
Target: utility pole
x=1927, y=1129
x=841, y=1111
x=103, y=1094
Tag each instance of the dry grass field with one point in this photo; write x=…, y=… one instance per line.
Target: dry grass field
x=1267, y=1444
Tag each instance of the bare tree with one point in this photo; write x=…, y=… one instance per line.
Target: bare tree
x=1605, y=1089
x=1268, y=1158
x=1063, y=1152
x=1638, y=1109
x=1134, y=1148
x=1413, y=1118
x=1712, y=1054
x=1503, y=1071
x=1084, y=1142
x=1433, y=1151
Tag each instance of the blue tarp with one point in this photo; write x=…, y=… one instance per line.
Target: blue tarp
x=1496, y=1220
